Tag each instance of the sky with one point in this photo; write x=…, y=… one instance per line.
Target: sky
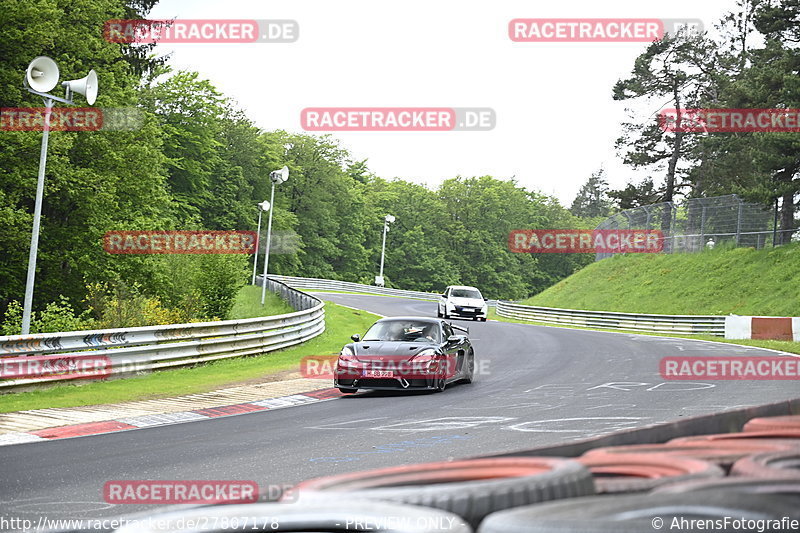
x=556, y=122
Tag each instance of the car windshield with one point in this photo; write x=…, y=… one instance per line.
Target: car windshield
x=466, y=293
x=403, y=331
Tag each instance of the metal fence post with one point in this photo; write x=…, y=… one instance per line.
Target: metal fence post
x=775, y=225
x=739, y=221
x=702, y=227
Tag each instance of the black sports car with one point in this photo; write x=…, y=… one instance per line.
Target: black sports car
x=406, y=353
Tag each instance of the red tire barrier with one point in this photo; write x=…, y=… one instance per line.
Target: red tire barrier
x=641, y=513
x=786, y=437
x=749, y=485
x=784, y=464
x=471, y=488
x=620, y=473
x=723, y=453
x=772, y=423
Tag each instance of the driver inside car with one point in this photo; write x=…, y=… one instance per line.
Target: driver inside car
x=418, y=333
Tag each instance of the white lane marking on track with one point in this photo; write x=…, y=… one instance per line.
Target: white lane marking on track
x=444, y=423
x=524, y=405
x=335, y=424
x=610, y=423
x=79, y=506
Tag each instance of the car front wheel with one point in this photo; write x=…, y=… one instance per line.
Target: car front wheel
x=470, y=369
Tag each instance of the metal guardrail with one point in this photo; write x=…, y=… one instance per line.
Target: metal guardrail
x=318, y=284
x=132, y=350
x=687, y=324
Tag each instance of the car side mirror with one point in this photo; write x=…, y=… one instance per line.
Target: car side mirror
x=486, y=299
x=452, y=339
x=444, y=295
x=355, y=337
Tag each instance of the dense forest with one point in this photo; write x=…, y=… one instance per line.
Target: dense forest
x=197, y=162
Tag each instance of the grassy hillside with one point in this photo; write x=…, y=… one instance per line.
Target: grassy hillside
x=741, y=281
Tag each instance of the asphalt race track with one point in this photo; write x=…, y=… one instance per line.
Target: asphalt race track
x=534, y=386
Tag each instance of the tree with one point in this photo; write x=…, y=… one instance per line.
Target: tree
x=759, y=166
x=636, y=194
x=680, y=68
x=95, y=181
x=592, y=199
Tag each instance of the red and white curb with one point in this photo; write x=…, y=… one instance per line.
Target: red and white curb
x=153, y=420
x=762, y=327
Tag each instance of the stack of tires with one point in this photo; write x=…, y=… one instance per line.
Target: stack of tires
x=747, y=481
x=725, y=482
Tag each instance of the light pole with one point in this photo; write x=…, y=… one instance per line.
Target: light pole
x=263, y=206
x=276, y=177
x=41, y=77
x=388, y=219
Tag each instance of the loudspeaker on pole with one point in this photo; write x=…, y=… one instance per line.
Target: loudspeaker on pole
x=42, y=74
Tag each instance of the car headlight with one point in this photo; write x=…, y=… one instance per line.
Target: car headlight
x=426, y=361
x=347, y=357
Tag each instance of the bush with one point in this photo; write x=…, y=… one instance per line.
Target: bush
x=125, y=307
x=57, y=316
x=218, y=281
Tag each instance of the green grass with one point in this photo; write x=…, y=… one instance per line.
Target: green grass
x=781, y=346
x=340, y=322
x=248, y=304
x=740, y=281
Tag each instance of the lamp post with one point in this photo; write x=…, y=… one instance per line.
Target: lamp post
x=263, y=206
x=388, y=219
x=42, y=76
x=276, y=177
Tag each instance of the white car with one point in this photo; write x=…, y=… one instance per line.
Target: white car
x=463, y=301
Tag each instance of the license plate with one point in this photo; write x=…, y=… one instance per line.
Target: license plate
x=378, y=374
